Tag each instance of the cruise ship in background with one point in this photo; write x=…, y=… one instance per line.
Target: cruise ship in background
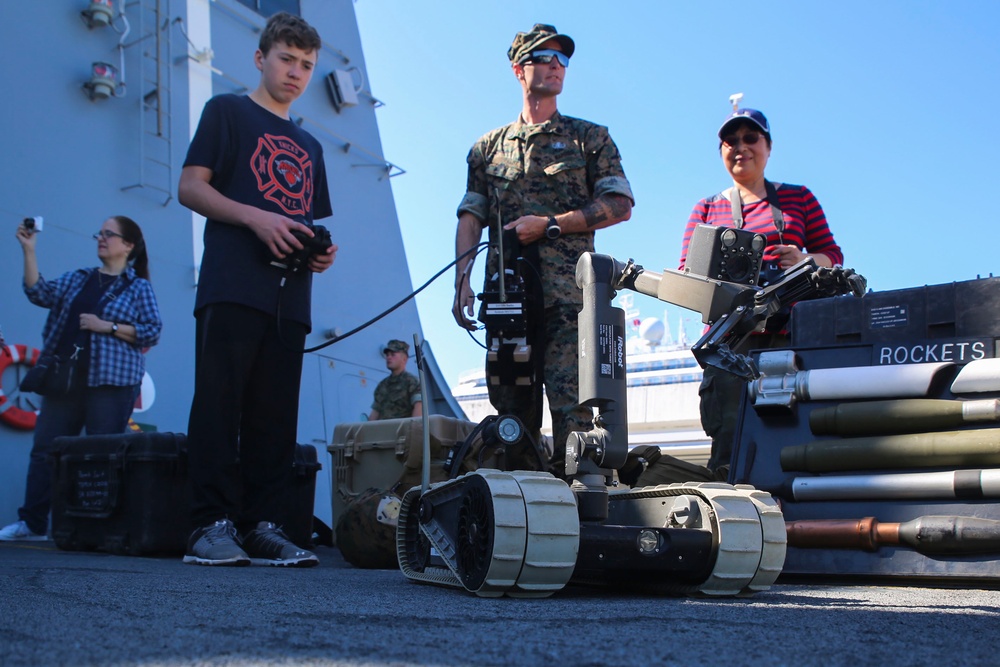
x=663, y=379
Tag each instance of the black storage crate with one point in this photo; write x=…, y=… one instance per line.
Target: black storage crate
x=130, y=493
x=956, y=323
x=961, y=310
x=127, y=493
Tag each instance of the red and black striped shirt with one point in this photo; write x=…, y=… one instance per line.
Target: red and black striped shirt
x=805, y=223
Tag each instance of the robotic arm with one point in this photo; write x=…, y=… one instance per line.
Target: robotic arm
x=733, y=311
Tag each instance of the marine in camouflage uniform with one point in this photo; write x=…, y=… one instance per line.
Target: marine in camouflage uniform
x=397, y=396
x=555, y=180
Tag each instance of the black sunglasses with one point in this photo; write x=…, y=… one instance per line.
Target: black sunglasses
x=749, y=139
x=545, y=56
x=107, y=235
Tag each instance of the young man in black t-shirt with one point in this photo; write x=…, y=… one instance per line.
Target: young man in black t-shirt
x=257, y=177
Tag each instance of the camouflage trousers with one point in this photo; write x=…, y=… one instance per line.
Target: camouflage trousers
x=560, y=376
x=721, y=393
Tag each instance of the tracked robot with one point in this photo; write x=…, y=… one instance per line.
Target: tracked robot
x=529, y=533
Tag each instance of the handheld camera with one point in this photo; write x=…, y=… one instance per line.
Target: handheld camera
x=33, y=224
x=317, y=244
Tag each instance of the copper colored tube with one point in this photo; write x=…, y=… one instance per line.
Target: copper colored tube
x=866, y=533
x=926, y=534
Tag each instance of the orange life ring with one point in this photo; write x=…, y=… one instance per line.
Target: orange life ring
x=10, y=414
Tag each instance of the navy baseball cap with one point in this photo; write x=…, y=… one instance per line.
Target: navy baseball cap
x=752, y=115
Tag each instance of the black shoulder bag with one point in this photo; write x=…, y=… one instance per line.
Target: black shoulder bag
x=52, y=375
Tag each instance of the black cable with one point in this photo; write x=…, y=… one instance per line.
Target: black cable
x=461, y=450
x=475, y=249
x=476, y=340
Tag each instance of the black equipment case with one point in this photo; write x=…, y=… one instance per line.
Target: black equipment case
x=126, y=493
x=130, y=494
x=299, y=523
x=956, y=323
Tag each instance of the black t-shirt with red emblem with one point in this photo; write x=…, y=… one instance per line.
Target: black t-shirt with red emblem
x=263, y=160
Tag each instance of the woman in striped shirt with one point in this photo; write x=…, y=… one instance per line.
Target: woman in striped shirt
x=795, y=227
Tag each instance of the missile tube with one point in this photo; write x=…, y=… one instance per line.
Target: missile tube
x=901, y=416
x=965, y=484
x=937, y=535
x=972, y=448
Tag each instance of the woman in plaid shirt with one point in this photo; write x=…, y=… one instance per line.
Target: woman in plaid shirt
x=104, y=317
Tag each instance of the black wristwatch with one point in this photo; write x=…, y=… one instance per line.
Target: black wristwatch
x=114, y=328
x=552, y=230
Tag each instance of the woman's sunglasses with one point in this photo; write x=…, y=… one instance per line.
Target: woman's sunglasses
x=749, y=139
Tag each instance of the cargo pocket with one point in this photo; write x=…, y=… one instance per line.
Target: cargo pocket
x=565, y=165
x=502, y=175
x=568, y=180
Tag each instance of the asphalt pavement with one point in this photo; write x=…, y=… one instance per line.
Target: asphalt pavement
x=72, y=608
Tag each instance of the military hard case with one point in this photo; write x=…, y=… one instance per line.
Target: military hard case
x=126, y=494
x=386, y=453
x=937, y=331
x=130, y=493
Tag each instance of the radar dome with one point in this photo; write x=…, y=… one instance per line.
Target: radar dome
x=651, y=330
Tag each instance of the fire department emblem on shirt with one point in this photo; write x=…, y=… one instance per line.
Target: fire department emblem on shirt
x=284, y=173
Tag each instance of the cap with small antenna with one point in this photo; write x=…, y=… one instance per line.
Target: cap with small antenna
x=743, y=114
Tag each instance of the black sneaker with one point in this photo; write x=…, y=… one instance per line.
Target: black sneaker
x=267, y=544
x=216, y=545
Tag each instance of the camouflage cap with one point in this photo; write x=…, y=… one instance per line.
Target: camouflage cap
x=526, y=42
x=396, y=346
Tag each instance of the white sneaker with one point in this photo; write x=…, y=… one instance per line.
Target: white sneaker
x=19, y=532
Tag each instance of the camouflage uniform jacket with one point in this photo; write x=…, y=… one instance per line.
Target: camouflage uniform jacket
x=396, y=395
x=546, y=169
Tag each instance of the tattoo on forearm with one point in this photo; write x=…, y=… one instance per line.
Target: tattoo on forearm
x=603, y=209
x=594, y=213
x=620, y=206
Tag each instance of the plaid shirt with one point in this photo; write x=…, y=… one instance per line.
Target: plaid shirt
x=129, y=300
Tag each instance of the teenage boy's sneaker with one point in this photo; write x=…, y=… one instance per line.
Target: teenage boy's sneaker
x=267, y=544
x=19, y=532
x=216, y=545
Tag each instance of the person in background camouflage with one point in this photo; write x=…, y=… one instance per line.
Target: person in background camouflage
x=398, y=395
x=555, y=180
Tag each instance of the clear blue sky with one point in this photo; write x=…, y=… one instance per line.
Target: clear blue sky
x=879, y=107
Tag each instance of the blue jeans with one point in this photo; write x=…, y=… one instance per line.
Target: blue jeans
x=99, y=410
